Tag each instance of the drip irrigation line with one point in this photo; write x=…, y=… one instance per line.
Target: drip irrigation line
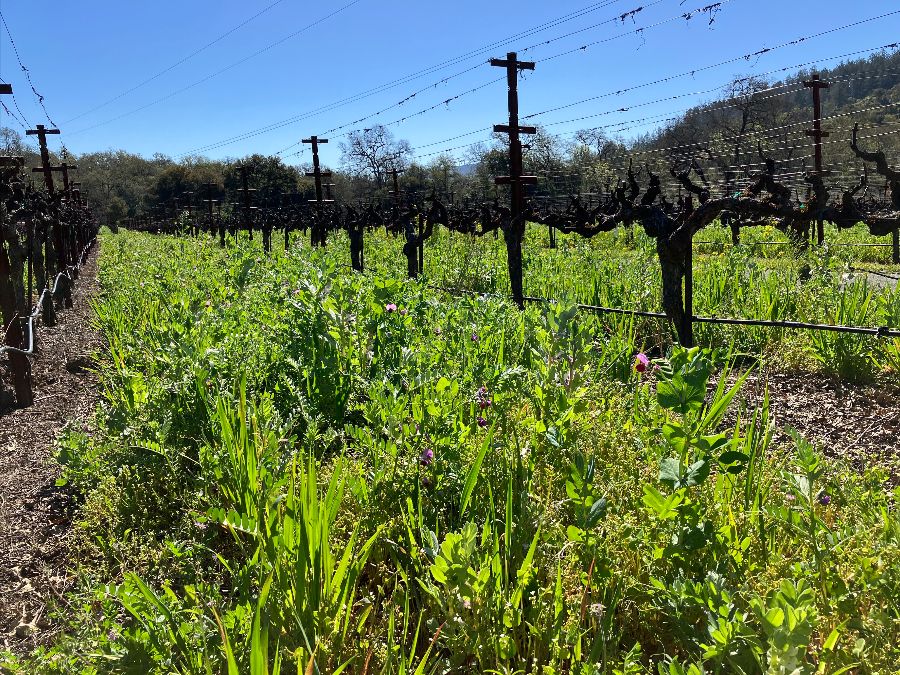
x=881, y=331
x=788, y=243
x=177, y=63
x=38, y=307
x=875, y=272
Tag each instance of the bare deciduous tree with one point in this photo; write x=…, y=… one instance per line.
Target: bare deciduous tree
x=372, y=152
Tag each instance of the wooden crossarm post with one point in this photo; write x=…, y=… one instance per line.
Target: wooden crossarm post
x=15, y=331
x=42, y=132
x=209, y=201
x=65, y=168
x=318, y=234
x=516, y=229
x=246, y=194
x=394, y=173
x=317, y=174
x=816, y=84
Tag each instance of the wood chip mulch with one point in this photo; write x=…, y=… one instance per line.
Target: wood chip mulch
x=35, y=514
x=858, y=423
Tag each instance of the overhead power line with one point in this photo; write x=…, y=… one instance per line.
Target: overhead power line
x=480, y=51
x=661, y=80
x=38, y=96
x=641, y=30
x=744, y=57
x=218, y=72
x=177, y=63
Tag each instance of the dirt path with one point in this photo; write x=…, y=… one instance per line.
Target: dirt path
x=35, y=515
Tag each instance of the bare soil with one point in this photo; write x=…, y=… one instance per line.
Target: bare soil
x=859, y=423
x=35, y=514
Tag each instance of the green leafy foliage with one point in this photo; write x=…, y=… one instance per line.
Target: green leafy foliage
x=290, y=476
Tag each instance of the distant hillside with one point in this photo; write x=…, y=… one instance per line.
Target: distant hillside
x=723, y=135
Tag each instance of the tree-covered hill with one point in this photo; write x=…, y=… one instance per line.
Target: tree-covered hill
x=725, y=135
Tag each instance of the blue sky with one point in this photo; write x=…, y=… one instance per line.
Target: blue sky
x=82, y=55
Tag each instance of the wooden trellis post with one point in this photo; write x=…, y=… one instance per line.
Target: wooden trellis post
x=318, y=236
x=175, y=212
x=210, y=202
x=515, y=229
x=14, y=333
x=64, y=168
x=246, y=193
x=394, y=173
x=42, y=132
x=895, y=242
x=816, y=84
x=190, y=209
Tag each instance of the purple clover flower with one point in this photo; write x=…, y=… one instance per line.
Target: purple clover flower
x=427, y=457
x=390, y=307
x=482, y=422
x=482, y=397
x=403, y=311
x=824, y=499
x=474, y=336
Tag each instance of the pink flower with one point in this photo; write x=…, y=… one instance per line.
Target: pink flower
x=641, y=362
x=390, y=307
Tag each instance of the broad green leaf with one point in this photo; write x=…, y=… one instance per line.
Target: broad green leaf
x=596, y=512
x=670, y=472
x=696, y=473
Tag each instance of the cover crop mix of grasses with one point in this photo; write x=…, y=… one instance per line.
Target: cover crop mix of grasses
x=298, y=468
